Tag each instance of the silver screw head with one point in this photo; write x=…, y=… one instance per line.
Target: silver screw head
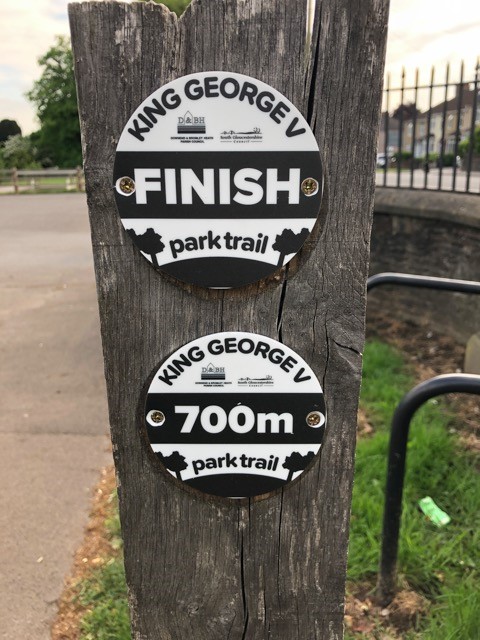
x=310, y=186
x=156, y=417
x=125, y=186
x=315, y=419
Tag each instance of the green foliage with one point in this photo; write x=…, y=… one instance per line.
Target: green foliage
x=437, y=562
x=178, y=6
x=106, y=596
x=112, y=524
x=456, y=616
x=384, y=381
x=476, y=140
x=463, y=148
x=19, y=152
x=55, y=98
x=464, y=145
x=8, y=128
x=447, y=160
x=402, y=155
x=104, y=592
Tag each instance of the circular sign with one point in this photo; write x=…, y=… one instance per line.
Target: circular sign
x=235, y=414
x=218, y=179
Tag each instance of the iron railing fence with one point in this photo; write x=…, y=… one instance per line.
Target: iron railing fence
x=430, y=133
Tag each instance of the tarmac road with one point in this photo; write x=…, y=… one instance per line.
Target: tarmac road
x=53, y=416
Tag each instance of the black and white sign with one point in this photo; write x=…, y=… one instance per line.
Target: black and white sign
x=235, y=414
x=218, y=179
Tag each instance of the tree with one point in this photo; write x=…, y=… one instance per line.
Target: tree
x=288, y=242
x=297, y=462
x=174, y=462
x=19, y=152
x=149, y=242
x=406, y=112
x=55, y=98
x=464, y=145
x=9, y=128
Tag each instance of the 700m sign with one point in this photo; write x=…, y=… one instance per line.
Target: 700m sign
x=241, y=419
x=201, y=418
x=246, y=424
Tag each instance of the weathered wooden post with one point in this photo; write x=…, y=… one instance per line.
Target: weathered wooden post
x=15, y=180
x=198, y=566
x=78, y=178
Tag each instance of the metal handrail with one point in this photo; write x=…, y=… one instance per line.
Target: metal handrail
x=423, y=282
x=415, y=398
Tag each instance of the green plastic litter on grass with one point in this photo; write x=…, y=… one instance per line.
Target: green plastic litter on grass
x=433, y=512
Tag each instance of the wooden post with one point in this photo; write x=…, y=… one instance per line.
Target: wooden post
x=16, y=188
x=200, y=568
x=78, y=178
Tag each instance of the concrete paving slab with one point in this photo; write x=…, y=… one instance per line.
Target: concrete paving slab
x=53, y=418
x=45, y=490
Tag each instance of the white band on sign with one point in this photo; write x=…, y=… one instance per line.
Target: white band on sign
x=218, y=179
x=235, y=414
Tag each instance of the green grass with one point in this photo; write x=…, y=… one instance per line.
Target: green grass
x=442, y=564
x=436, y=562
x=104, y=594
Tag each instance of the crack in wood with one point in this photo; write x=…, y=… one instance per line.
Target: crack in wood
x=279, y=541
x=244, y=595
x=311, y=93
x=347, y=347
x=280, y=307
x=327, y=357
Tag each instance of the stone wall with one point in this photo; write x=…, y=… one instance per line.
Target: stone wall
x=427, y=233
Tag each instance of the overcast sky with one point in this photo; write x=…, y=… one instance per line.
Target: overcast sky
x=421, y=33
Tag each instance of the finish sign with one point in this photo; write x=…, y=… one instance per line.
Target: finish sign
x=218, y=179
x=235, y=414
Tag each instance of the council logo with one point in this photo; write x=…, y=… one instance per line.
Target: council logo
x=189, y=123
x=212, y=373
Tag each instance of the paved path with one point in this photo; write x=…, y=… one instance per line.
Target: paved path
x=53, y=417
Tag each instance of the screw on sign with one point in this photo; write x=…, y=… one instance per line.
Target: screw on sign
x=126, y=185
x=157, y=417
x=310, y=186
x=315, y=419
x=235, y=414
x=226, y=171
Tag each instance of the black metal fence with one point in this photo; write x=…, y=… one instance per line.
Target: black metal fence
x=397, y=456
x=430, y=133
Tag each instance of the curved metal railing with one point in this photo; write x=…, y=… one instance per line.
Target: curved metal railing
x=415, y=398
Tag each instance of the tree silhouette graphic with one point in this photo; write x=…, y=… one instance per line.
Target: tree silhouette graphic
x=174, y=462
x=297, y=462
x=288, y=242
x=149, y=242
